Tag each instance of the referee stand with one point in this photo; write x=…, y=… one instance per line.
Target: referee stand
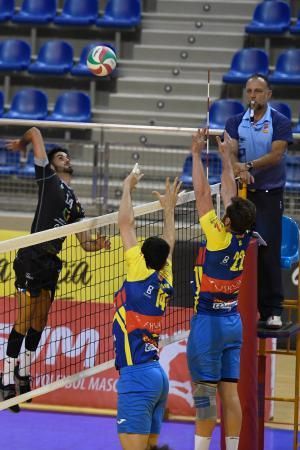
x=289, y=256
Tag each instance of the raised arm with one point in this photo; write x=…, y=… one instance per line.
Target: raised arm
x=93, y=243
x=228, y=183
x=168, y=202
x=201, y=186
x=34, y=136
x=126, y=216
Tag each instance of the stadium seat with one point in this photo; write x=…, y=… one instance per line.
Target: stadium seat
x=295, y=29
x=6, y=10
x=287, y=70
x=296, y=129
x=283, y=108
x=120, y=14
x=214, y=169
x=28, y=104
x=245, y=63
x=289, y=242
x=27, y=170
x=55, y=57
x=36, y=11
x=1, y=104
x=77, y=12
x=14, y=55
x=72, y=107
x=270, y=18
x=292, y=173
x=9, y=162
x=81, y=69
x=221, y=110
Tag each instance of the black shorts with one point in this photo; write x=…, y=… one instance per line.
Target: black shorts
x=36, y=270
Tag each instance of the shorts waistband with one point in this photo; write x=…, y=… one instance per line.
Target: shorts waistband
x=142, y=366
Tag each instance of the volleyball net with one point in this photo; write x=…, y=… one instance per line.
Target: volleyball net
x=77, y=341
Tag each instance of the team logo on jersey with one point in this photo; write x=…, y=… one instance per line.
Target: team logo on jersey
x=266, y=127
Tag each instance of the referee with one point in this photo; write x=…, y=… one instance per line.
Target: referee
x=37, y=268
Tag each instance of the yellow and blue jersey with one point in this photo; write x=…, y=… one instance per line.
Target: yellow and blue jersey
x=140, y=305
x=219, y=267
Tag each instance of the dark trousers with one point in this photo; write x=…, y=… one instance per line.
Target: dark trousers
x=269, y=210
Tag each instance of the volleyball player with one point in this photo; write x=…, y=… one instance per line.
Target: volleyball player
x=140, y=304
x=37, y=267
x=214, y=343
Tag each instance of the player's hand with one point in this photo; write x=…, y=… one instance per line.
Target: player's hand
x=102, y=242
x=169, y=198
x=224, y=146
x=199, y=141
x=16, y=145
x=132, y=179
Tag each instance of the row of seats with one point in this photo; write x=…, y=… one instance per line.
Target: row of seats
x=117, y=14
x=54, y=57
x=272, y=17
x=32, y=104
x=215, y=168
x=247, y=61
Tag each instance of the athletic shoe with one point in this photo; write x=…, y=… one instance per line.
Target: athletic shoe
x=22, y=383
x=274, y=322
x=8, y=392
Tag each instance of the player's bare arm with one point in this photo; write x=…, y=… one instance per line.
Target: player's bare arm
x=34, y=136
x=228, y=184
x=91, y=243
x=126, y=215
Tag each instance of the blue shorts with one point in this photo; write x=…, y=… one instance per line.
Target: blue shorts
x=213, y=349
x=142, y=397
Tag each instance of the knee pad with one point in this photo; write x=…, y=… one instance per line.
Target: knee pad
x=204, y=395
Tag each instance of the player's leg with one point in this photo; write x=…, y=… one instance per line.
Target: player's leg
x=231, y=407
x=134, y=441
x=204, y=351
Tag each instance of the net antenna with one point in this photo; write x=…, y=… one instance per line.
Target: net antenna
x=62, y=357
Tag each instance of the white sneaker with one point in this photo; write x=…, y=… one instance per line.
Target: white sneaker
x=274, y=322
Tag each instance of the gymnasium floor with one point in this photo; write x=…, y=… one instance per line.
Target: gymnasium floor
x=32, y=430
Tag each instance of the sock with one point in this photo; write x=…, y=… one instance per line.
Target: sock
x=232, y=442
x=32, y=340
x=25, y=359
x=202, y=443
x=8, y=370
x=14, y=343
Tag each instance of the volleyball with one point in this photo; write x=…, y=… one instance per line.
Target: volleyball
x=101, y=61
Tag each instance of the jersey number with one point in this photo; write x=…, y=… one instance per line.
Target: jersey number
x=238, y=263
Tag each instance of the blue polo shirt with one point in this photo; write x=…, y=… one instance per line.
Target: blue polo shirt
x=255, y=140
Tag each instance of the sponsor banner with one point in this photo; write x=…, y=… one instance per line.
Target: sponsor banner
x=78, y=336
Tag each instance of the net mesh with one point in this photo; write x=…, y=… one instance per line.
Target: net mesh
x=77, y=340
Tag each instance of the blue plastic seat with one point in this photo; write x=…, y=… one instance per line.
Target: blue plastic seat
x=81, y=69
x=6, y=10
x=14, y=55
x=54, y=57
x=287, y=70
x=9, y=161
x=214, y=169
x=270, y=18
x=295, y=29
x=283, y=108
x=28, y=104
x=120, y=14
x=1, y=104
x=221, y=110
x=289, y=242
x=245, y=63
x=36, y=11
x=78, y=12
x=292, y=173
x=72, y=106
x=296, y=129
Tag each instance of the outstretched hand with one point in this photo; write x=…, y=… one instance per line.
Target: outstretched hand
x=169, y=198
x=102, y=242
x=16, y=145
x=198, y=141
x=132, y=180
x=224, y=146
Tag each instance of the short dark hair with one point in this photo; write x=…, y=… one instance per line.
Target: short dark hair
x=164, y=447
x=155, y=251
x=259, y=75
x=241, y=213
x=51, y=153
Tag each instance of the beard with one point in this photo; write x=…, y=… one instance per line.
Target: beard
x=59, y=169
x=257, y=106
